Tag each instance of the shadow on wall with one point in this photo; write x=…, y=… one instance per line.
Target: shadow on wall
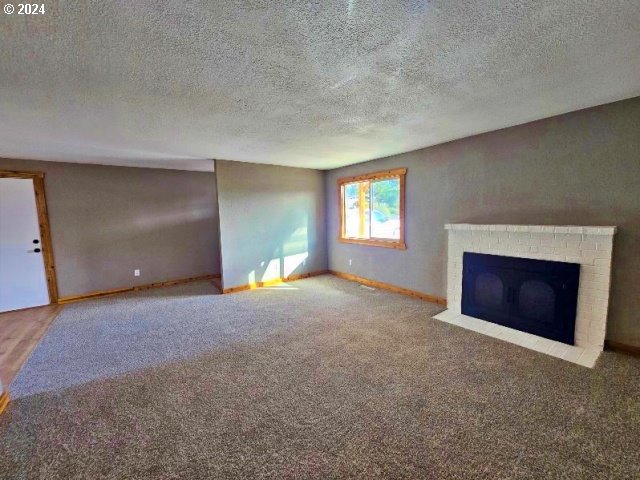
x=271, y=222
x=144, y=222
x=161, y=251
x=284, y=255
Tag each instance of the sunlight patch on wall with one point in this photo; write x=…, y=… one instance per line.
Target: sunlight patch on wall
x=292, y=262
x=287, y=258
x=283, y=267
x=272, y=270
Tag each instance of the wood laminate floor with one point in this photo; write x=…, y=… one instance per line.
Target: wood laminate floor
x=20, y=332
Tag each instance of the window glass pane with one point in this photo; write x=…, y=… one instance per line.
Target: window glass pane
x=385, y=209
x=356, y=210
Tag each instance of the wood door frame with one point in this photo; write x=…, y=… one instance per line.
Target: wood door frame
x=45, y=230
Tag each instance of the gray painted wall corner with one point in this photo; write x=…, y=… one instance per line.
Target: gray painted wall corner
x=272, y=222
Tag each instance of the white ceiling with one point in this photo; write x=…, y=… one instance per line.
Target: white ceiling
x=323, y=84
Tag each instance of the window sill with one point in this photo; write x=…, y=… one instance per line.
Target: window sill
x=397, y=245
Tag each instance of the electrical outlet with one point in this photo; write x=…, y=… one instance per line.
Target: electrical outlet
x=349, y=262
x=136, y=272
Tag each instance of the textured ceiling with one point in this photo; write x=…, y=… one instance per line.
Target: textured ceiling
x=311, y=84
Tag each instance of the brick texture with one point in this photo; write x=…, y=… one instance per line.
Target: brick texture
x=591, y=247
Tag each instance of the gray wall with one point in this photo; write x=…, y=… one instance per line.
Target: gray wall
x=582, y=168
x=106, y=221
x=271, y=222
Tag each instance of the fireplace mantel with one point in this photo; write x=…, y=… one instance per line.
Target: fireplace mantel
x=589, y=246
x=567, y=229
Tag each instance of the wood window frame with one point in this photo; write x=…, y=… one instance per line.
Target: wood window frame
x=43, y=222
x=398, y=244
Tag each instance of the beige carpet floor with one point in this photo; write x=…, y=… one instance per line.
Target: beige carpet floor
x=322, y=379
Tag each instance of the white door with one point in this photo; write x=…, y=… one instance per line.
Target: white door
x=23, y=282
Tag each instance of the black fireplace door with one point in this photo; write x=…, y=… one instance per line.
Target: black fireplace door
x=533, y=296
x=544, y=304
x=486, y=292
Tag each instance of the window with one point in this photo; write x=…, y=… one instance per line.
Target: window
x=372, y=209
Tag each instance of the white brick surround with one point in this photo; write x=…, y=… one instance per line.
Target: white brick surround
x=590, y=247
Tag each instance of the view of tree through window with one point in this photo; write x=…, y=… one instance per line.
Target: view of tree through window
x=372, y=209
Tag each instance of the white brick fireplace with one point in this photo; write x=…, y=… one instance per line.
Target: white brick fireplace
x=591, y=247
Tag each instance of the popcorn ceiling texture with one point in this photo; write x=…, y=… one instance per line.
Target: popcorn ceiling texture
x=317, y=84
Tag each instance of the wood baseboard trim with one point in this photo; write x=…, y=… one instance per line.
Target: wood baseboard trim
x=392, y=288
x=622, y=348
x=104, y=293
x=4, y=401
x=276, y=281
